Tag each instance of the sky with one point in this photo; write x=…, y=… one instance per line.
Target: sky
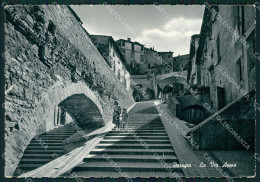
x=145, y=24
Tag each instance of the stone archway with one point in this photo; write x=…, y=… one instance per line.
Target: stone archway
x=83, y=110
x=79, y=101
x=36, y=122
x=142, y=93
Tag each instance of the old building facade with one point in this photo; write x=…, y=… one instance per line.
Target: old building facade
x=112, y=54
x=134, y=55
x=180, y=62
x=153, y=61
x=222, y=71
x=167, y=61
x=225, y=57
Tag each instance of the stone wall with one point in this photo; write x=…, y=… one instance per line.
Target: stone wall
x=174, y=106
x=49, y=57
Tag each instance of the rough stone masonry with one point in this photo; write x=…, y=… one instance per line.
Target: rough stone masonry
x=49, y=57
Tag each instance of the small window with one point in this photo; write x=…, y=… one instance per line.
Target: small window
x=133, y=47
x=142, y=48
x=239, y=70
x=132, y=64
x=169, y=56
x=218, y=48
x=123, y=43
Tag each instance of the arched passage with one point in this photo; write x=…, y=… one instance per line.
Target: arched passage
x=171, y=80
x=142, y=93
x=170, y=84
x=79, y=101
x=41, y=117
x=83, y=110
x=75, y=100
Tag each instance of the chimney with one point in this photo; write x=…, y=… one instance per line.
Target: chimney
x=129, y=39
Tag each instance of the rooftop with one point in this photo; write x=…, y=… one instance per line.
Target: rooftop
x=129, y=40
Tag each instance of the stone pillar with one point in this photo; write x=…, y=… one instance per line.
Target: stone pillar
x=56, y=116
x=155, y=85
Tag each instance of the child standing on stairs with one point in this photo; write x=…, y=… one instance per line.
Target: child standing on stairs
x=124, y=118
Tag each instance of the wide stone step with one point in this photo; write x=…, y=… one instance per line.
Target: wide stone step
x=43, y=151
x=61, y=132
x=140, y=137
x=49, y=139
x=133, y=131
x=44, y=146
x=52, y=138
x=134, y=146
x=137, y=134
x=131, y=123
x=139, y=130
x=46, y=142
x=116, y=174
x=144, y=126
x=35, y=160
x=133, y=151
x=117, y=141
x=125, y=166
x=40, y=156
x=57, y=135
x=129, y=158
x=141, y=126
x=49, y=144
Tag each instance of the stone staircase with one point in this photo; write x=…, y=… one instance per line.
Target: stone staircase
x=44, y=148
x=133, y=151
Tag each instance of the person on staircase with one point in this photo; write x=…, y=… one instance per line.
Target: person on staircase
x=116, y=115
x=124, y=120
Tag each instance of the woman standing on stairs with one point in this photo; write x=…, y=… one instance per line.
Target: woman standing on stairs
x=116, y=115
